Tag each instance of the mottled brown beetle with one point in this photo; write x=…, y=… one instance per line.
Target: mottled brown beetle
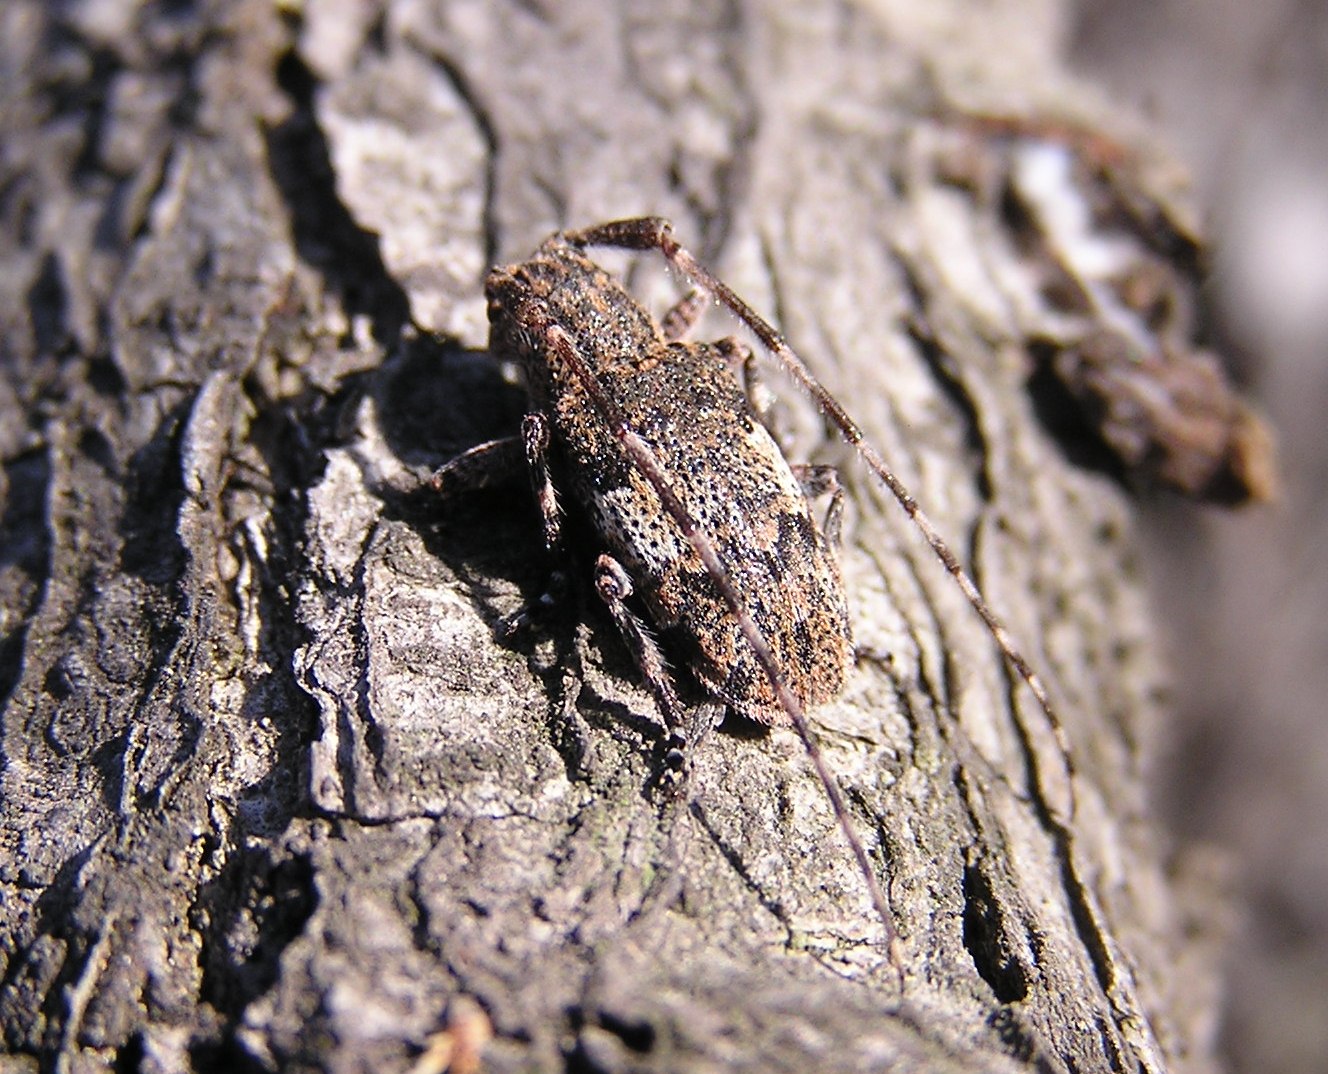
x=572, y=326
x=702, y=514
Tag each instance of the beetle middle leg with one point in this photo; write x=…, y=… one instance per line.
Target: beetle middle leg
x=614, y=586
x=818, y=481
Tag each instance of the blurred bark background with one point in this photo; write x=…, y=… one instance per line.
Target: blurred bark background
x=274, y=798
x=1240, y=91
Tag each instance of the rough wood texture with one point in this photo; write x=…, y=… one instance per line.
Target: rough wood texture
x=274, y=796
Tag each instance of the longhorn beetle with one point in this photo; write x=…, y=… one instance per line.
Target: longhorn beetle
x=698, y=508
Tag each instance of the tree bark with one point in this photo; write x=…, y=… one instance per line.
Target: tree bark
x=275, y=797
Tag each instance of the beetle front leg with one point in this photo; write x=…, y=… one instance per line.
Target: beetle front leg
x=535, y=436
x=684, y=314
x=494, y=462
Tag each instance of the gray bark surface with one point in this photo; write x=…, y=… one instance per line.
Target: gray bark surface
x=274, y=797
